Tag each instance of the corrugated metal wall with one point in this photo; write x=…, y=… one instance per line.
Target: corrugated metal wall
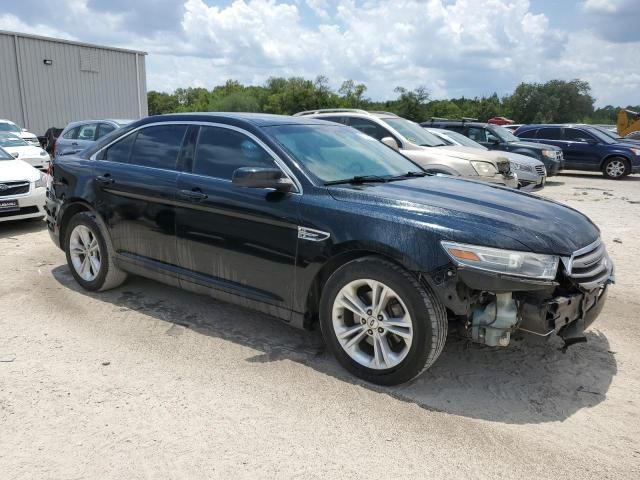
x=81, y=83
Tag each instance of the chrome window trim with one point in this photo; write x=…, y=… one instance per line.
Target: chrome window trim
x=278, y=161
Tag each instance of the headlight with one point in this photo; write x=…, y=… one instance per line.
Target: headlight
x=519, y=166
x=510, y=262
x=42, y=181
x=549, y=153
x=636, y=151
x=484, y=169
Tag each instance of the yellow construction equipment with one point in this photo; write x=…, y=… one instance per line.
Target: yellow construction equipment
x=627, y=125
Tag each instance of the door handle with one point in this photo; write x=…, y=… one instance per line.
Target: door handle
x=75, y=144
x=104, y=179
x=192, y=195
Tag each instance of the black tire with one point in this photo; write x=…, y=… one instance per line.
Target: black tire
x=109, y=275
x=428, y=317
x=622, y=168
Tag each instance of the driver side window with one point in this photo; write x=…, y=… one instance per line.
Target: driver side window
x=220, y=151
x=478, y=134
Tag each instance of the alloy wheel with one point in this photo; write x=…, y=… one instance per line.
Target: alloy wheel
x=372, y=324
x=616, y=168
x=84, y=250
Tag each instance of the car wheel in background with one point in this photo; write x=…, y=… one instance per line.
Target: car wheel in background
x=615, y=168
x=379, y=321
x=88, y=256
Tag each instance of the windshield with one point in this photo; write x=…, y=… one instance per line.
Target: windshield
x=607, y=133
x=460, y=139
x=414, y=132
x=9, y=127
x=331, y=153
x=4, y=155
x=502, y=133
x=10, y=140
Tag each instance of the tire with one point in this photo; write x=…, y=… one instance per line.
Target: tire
x=104, y=274
x=421, y=337
x=615, y=168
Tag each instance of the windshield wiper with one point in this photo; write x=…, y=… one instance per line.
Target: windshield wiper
x=409, y=175
x=358, y=179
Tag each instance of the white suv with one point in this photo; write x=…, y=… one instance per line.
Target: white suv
x=424, y=148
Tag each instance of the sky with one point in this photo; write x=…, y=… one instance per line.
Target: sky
x=453, y=47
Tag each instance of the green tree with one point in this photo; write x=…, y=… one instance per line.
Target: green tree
x=161, y=102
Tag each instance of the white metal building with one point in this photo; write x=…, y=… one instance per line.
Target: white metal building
x=47, y=82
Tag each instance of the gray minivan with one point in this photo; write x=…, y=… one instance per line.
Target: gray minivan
x=80, y=135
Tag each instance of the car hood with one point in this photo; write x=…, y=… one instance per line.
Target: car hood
x=16, y=170
x=533, y=145
x=474, y=212
x=468, y=153
x=519, y=158
x=26, y=151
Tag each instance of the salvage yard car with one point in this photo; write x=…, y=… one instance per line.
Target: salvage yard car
x=319, y=224
x=77, y=136
x=587, y=148
x=531, y=172
x=427, y=150
x=18, y=148
x=7, y=126
x=22, y=189
x=496, y=137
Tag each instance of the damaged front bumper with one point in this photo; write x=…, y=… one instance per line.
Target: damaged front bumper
x=491, y=307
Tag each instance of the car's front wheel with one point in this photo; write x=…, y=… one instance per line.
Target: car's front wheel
x=88, y=256
x=379, y=321
x=615, y=168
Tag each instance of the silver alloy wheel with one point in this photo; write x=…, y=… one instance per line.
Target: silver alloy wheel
x=372, y=324
x=84, y=251
x=616, y=168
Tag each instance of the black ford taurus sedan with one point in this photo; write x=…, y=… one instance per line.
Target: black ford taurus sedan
x=317, y=223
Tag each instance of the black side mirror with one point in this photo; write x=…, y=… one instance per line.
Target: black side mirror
x=255, y=177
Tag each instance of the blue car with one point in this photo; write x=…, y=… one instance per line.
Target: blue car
x=587, y=148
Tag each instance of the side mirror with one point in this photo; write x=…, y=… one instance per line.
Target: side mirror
x=390, y=142
x=15, y=155
x=590, y=141
x=254, y=177
x=492, y=139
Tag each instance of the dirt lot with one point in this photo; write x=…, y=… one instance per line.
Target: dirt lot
x=147, y=381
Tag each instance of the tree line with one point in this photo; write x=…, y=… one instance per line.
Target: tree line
x=556, y=101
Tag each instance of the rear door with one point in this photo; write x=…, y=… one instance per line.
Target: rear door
x=239, y=240
x=135, y=183
x=580, y=149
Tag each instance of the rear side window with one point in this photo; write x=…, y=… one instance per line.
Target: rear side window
x=103, y=129
x=220, y=151
x=527, y=134
x=158, y=146
x=369, y=128
x=71, y=134
x=550, y=133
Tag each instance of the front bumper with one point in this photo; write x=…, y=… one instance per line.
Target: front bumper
x=565, y=315
x=31, y=205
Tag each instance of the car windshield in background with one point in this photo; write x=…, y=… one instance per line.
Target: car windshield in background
x=464, y=140
x=9, y=127
x=333, y=153
x=4, y=155
x=414, y=132
x=10, y=140
x=503, y=134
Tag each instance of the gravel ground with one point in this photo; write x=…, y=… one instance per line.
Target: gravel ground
x=147, y=381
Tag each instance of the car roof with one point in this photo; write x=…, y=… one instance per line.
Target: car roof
x=356, y=112
x=256, y=119
x=435, y=123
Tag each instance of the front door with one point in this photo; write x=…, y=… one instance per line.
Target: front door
x=239, y=240
x=135, y=181
x=580, y=149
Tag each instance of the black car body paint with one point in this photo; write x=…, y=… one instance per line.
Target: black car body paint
x=272, y=251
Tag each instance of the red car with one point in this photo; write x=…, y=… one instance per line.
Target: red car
x=500, y=121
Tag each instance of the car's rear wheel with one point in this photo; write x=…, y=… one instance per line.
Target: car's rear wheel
x=615, y=168
x=380, y=322
x=88, y=256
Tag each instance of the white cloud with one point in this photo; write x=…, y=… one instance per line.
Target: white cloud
x=454, y=47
